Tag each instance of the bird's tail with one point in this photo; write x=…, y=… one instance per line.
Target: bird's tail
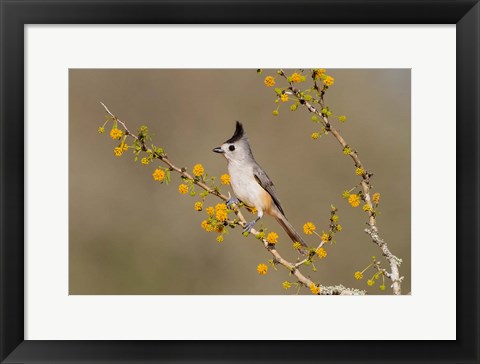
x=282, y=220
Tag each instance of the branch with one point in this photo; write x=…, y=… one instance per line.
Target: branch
x=278, y=259
x=365, y=183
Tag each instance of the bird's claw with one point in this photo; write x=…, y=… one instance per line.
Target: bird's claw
x=232, y=201
x=248, y=227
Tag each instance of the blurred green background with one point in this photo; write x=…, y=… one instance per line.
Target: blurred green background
x=131, y=235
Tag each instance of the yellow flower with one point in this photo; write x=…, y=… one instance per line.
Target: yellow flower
x=370, y=282
x=158, y=174
x=358, y=275
x=322, y=253
x=293, y=107
x=198, y=206
x=329, y=81
x=272, y=237
x=314, y=288
x=221, y=212
x=334, y=218
x=124, y=146
x=354, y=200
x=315, y=135
x=284, y=97
x=210, y=210
x=342, y=118
x=359, y=171
x=262, y=269
x=376, y=198
x=145, y=161
x=325, y=237
x=286, y=285
x=339, y=227
x=219, y=239
x=296, y=77
x=225, y=179
x=116, y=133
x=269, y=81
x=309, y=228
x=198, y=170
x=118, y=151
x=319, y=73
x=366, y=207
x=183, y=189
x=101, y=130
x=346, y=194
x=206, y=226
x=347, y=150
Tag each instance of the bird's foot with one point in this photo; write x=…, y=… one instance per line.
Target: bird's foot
x=248, y=227
x=232, y=201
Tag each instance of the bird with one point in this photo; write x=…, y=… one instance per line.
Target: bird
x=251, y=184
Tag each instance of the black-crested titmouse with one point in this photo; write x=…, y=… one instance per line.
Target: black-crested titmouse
x=251, y=184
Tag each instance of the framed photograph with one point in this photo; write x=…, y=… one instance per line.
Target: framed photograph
x=239, y=182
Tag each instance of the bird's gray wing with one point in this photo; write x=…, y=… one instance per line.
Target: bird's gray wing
x=267, y=184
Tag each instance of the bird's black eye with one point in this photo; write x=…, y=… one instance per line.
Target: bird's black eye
x=232, y=148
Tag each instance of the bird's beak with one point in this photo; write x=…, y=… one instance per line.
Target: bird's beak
x=218, y=150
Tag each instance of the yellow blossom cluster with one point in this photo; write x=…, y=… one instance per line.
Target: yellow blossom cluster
x=272, y=238
x=116, y=133
x=286, y=285
x=321, y=252
x=158, y=175
x=269, y=81
x=225, y=179
x=284, y=97
x=297, y=245
x=328, y=81
x=358, y=275
x=221, y=213
x=206, y=226
x=118, y=151
x=198, y=206
x=359, y=171
x=210, y=211
x=318, y=73
x=198, y=170
x=183, y=188
x=262, y=269
x=314, y=288
x=325, y=237
x=376, y=198
x=354, y=200
x=145, y=161
x=315, y=136
x=296, y=77
x=309, y=228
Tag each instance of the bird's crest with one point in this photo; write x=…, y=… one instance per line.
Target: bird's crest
x=239, y=133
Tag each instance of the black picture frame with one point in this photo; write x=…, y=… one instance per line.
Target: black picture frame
x=15, y=14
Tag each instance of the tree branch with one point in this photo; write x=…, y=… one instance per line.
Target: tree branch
x=365, y=183
x=278, y=259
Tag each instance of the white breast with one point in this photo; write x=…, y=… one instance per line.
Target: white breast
x=245, y=186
